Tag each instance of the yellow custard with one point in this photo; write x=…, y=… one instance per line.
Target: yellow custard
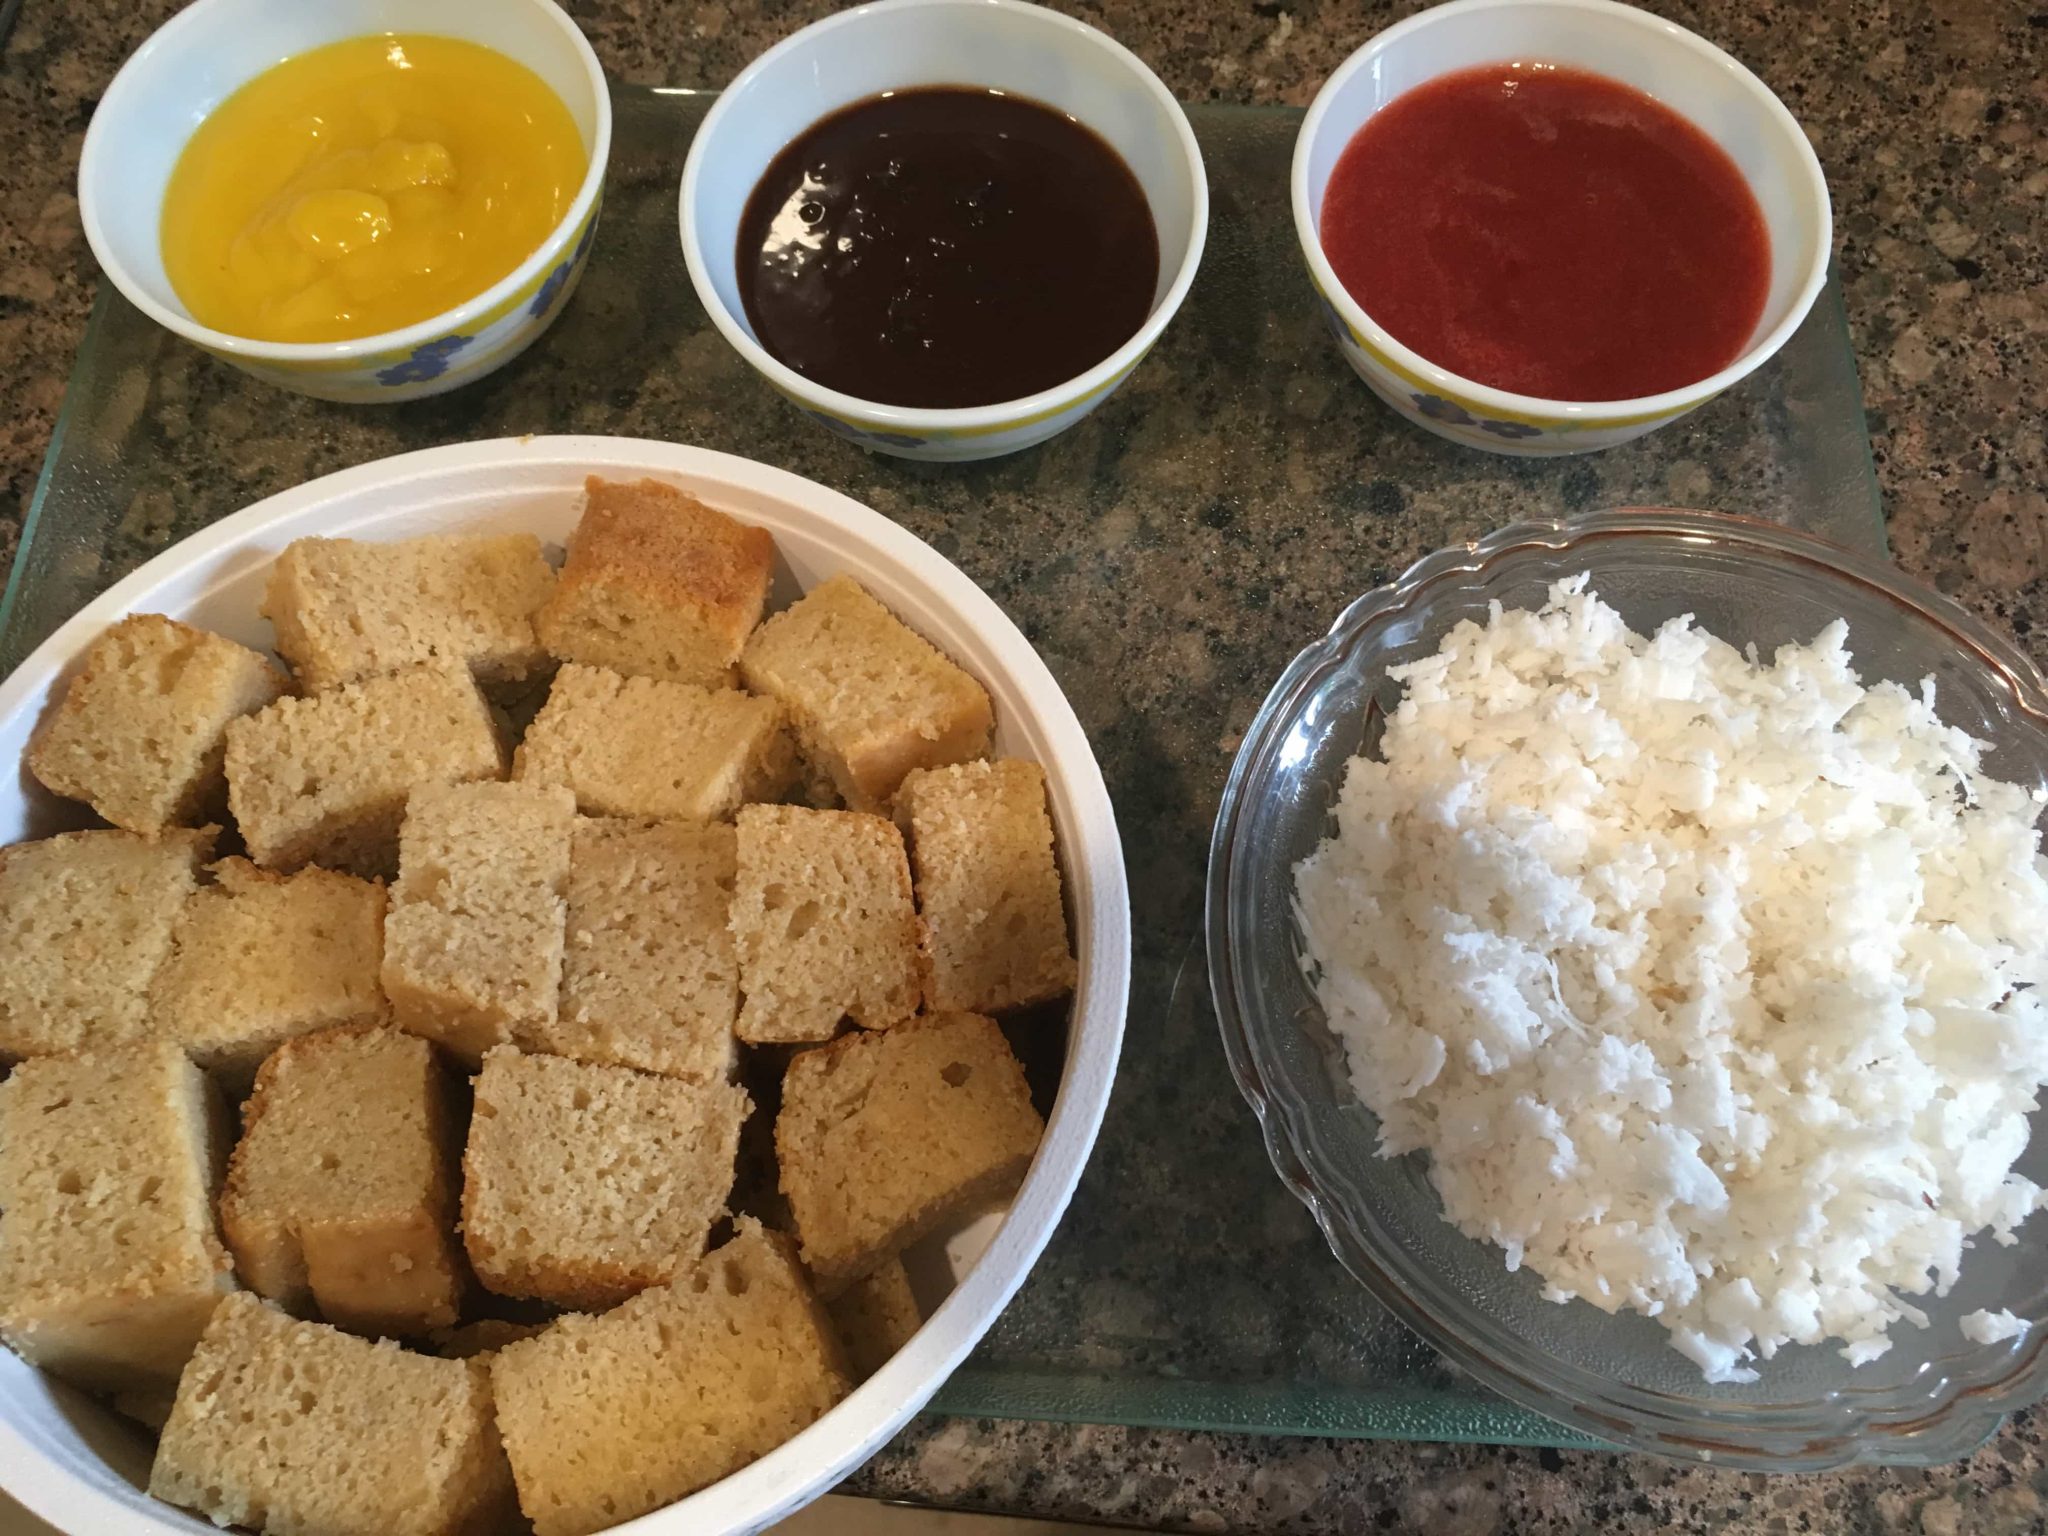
x=364, y=186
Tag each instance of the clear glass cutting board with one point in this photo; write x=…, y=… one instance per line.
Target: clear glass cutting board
x=1167, y=556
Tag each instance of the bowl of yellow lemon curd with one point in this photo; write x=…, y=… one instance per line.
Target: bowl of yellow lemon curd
x=361, y=200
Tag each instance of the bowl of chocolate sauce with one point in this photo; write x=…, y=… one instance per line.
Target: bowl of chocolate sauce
x=945, y=229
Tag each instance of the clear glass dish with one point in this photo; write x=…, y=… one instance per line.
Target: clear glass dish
x=1934, y=1395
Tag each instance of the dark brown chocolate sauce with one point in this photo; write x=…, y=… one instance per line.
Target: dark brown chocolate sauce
x=947, y=246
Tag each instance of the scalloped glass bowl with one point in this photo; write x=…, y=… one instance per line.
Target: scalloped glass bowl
x=1935, y=1395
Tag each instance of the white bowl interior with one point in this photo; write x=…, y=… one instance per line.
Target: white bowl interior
x=1024, y=50
x=215, y=47
x=79, y=1465
x=1659, y=59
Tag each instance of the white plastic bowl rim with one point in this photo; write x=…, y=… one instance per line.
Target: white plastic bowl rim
x=487, y=484
x=1506, y=402
x=197, y=15
x=966, y=418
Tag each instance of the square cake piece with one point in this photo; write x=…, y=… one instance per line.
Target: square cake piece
x=473, y=945
x=632, y=746
x=681, y=1386
x=824, y=924
x=142, y=729
x=649, y=977
x=870, y=698
x=583, y=1184
x=299, y=1429
x=346, y=609
x=657, y=585
x=258, y=957
x=342, y=1191
x=324, y=780
x=110, y=1263
x=993, y=923
x=883, y=1137
x=85, y=918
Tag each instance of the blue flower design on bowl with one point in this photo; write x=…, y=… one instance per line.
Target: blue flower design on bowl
x=1437, y=408
x=544, y=298
x=1332, y=319
x=863, y=435
x=429, y=360
x=1510, y=429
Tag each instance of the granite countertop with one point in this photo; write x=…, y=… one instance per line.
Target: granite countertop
x=1929, y=118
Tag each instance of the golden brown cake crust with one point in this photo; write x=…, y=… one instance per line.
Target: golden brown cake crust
x=657, y=584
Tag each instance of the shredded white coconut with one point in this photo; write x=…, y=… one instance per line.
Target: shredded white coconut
x=1982, y=1327
x=1705, y=982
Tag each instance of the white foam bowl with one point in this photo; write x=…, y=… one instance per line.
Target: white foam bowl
x=82, y=1467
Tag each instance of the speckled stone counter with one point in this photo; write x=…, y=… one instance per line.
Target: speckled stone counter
x=1929, y=119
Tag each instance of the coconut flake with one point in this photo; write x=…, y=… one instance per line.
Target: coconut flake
x=1703, y=978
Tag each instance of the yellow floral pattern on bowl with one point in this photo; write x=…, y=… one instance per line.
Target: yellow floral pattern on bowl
x=975, y=442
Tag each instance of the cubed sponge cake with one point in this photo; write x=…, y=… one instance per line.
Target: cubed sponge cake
x=988, y=891
x=345, y=609
x=110, y=1263
x=142, y=729
x=583, y=1184
x=876, y=1316
x=342, y=1190
x=657, y=584
x=870, y=698
x=85, y=919
x=606, y=1418
x=258, y=957
x=649, y=977
x=298, y=1429
x=473, y=945
x=882, y=1137
x=632, y=746
x=824, y=923
x=324, y=780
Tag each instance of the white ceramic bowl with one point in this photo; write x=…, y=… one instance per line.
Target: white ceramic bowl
x=1003, y=44
x=1686, y=73
x=81, y=1467
x=214, y=47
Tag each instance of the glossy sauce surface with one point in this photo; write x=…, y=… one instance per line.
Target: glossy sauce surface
x=364, y=186
x=1549, y=231
x=946, y=247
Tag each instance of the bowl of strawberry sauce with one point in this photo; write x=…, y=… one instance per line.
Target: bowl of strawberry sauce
x=1549, y=226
